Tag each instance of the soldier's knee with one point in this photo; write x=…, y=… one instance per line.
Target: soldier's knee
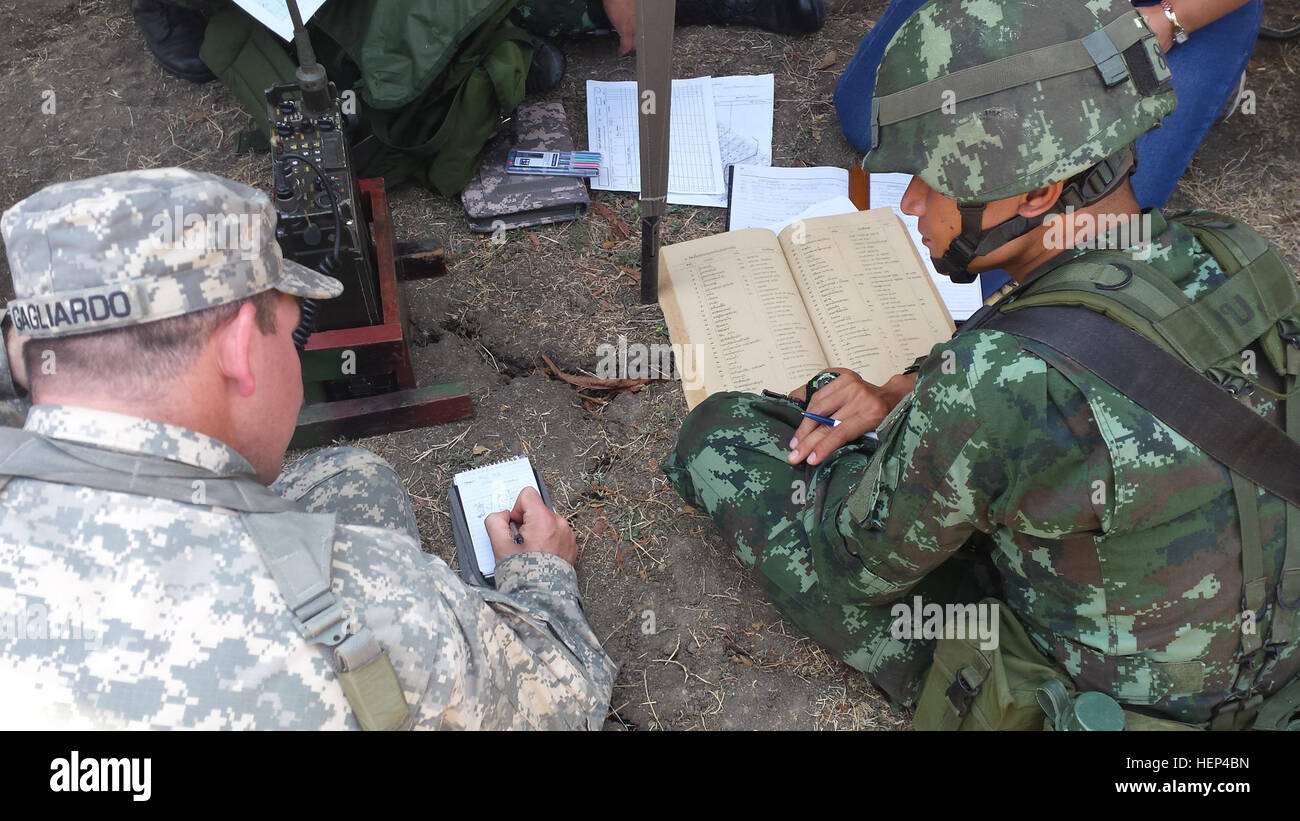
x=332, y=465
x=720, y=411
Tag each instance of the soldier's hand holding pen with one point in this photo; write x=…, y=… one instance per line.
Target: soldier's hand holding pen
x=531, y=526
x=857, y=405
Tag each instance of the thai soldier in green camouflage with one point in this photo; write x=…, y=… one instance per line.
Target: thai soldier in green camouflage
x=1113, y=540
x=133, y=588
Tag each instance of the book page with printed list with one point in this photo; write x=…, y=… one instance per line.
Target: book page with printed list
x=866, y=291
x=731, y=295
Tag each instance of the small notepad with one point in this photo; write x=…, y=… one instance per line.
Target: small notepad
x=489, y=489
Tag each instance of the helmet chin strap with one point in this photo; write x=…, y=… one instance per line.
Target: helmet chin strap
x=974, y=240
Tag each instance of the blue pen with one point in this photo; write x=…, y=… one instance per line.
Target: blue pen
x=825, y=420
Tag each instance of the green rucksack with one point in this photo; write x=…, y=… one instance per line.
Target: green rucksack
x=432, y=78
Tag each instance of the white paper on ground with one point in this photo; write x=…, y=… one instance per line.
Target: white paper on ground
x=962, y=300
x=761, y=197
x=274, y=14
x=743, y=108
x=694, y=158
x=826, y=208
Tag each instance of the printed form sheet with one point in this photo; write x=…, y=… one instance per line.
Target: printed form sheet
x=761, y=197
x=743, y=107
x=694, y=157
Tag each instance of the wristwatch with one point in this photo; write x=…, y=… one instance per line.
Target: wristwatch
x=1180, y=33
x=818, y=382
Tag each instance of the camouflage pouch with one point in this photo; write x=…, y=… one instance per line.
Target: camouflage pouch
x=498, y=199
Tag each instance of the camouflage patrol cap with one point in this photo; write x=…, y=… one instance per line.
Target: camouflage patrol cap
x=986, y=99
x=139, y=246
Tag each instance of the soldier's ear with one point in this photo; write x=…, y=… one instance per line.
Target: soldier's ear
x=1040, y=200
x=235, y=341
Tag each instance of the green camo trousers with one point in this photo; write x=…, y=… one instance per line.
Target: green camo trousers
x=730, y=460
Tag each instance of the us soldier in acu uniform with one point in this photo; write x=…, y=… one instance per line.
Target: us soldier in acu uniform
x=1138, y=549
x=149, y=578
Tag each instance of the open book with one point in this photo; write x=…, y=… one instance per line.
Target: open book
x=753, y=310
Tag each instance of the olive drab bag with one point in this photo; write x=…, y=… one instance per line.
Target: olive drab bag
x=432, y=78
x=1181, y=360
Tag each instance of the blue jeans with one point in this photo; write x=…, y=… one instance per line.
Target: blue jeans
x=1205, y=72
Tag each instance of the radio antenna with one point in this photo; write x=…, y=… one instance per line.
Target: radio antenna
x=311, y=74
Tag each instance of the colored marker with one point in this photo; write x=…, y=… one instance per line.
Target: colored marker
x=825, y=420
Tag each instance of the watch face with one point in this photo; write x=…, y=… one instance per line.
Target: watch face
x=821, y=380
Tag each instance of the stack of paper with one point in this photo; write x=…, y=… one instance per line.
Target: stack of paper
x=715, y=122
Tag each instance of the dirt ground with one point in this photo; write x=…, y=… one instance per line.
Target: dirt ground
x=698, y=645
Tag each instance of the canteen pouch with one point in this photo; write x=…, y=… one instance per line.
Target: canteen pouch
x=969, y=688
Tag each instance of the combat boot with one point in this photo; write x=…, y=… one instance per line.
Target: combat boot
x=547, y=68
x=174, y=35
x=781, y=16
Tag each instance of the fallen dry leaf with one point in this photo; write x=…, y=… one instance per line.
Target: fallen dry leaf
x=615, y=224
x=831, y=58
x=596, y=382
x=479, y=450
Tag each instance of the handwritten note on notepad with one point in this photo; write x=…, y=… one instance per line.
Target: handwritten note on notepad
x=491, y=489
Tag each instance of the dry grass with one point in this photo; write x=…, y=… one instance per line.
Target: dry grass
x=720, y=655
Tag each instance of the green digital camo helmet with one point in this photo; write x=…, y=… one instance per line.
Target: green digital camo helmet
x=986, y=99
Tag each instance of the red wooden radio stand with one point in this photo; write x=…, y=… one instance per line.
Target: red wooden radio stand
x=377, y=358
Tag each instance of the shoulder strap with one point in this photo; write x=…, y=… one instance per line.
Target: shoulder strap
x=1207, y=416
x=297, y=548
x=1257, y=293
x=27, y=455
x=1170, y=390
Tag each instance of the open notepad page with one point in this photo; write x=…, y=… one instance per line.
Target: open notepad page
x=491, y=489
x=962, y=300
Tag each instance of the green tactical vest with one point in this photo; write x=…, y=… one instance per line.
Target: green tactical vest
x=295, y=546
x=1258, y=304
x=432, y=78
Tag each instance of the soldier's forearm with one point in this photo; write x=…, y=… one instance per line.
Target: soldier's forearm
x=548, y=586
